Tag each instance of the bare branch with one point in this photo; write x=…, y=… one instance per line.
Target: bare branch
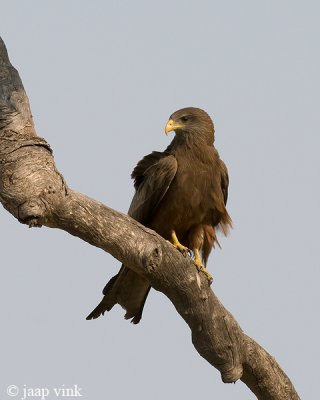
x=33, y=191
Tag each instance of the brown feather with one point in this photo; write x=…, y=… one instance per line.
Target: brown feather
x=185, y=189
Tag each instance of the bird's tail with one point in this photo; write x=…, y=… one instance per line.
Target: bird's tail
x=129, y=290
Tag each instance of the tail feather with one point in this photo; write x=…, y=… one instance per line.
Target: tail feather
x=129, y=290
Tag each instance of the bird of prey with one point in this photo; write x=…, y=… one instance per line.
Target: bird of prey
x=181, y=193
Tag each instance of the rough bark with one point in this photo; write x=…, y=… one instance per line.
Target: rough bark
x=33, y=191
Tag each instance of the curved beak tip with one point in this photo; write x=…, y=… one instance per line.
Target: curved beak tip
x=169, y=127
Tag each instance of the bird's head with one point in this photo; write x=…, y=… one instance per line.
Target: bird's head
x=191, y=121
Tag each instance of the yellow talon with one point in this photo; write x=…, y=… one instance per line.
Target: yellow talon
x=174, y=240
x=200, y=267
x=197, y=259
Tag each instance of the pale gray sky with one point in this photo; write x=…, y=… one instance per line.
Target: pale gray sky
x=102, y=78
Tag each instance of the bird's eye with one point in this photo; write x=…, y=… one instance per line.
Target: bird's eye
x=184, y=119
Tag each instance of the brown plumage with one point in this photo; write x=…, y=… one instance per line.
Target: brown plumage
x=181, y=193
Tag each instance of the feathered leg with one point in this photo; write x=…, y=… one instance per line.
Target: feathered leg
x=197, y=242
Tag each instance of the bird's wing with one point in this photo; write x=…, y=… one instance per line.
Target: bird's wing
x=152, y=178
x=225, y=223
x=224, y=181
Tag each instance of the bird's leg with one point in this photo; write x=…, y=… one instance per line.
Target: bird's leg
x=200, y=267
x=174, y=240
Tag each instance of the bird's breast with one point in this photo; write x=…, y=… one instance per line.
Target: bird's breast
x=188, y=200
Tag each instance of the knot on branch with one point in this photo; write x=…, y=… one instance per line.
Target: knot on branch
x=232, y=375
x=31, y=212
x=30, y=185
x=220, y=339
x=233, y=369
x=152, y=258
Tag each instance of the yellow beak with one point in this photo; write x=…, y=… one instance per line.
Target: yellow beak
x=171, y=126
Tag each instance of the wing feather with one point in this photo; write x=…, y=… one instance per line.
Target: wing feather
x=153, y=176
x=224, y=181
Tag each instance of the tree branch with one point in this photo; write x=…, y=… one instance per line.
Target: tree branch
x=34, y=192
